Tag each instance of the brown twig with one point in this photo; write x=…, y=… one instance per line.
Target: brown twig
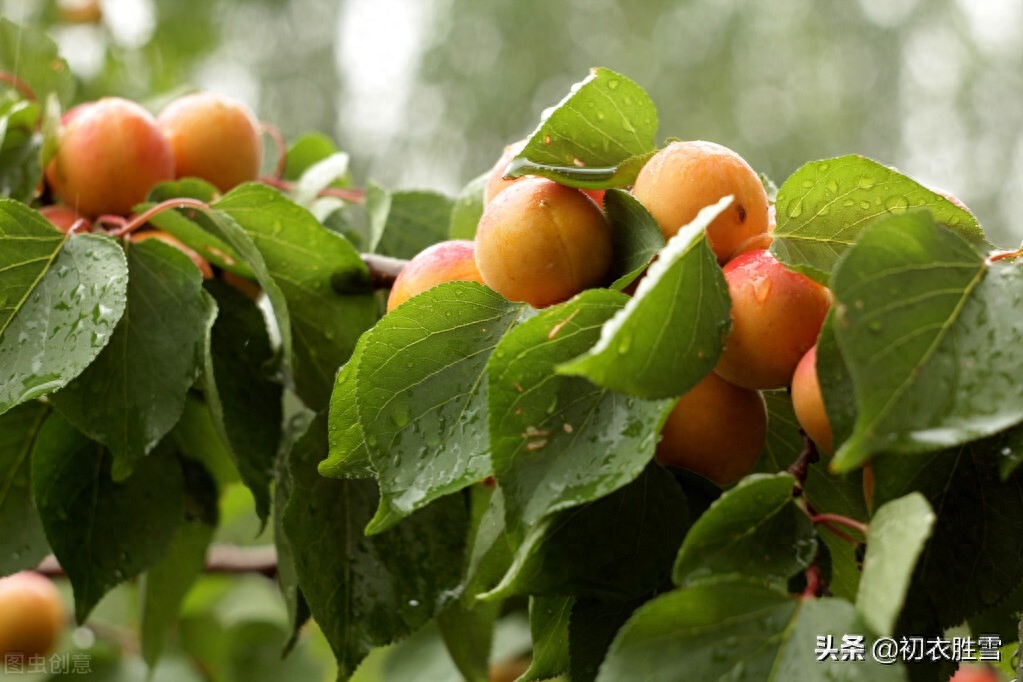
x=19, y=85
x=219, y=559
x=832, y=519
x=801, y=467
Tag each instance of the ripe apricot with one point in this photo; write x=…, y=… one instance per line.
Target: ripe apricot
x=684, y=177
x=975, y=673
x=109, y=154
x=542, y=243
x=496, y=182
x=450, y=261
x=716, y=429
x=32, y=615
x=808, y=402
x=213, y=137
x=200, y=262
x=64, y=218
x=776, y=317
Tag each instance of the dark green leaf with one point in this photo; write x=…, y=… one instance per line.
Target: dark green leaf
x=59, y=302
x=403, y=223
x=591, y=630
x=734, y=629
x=22, y=540
x=490, y=551
x=1012, y=453
x=20, y=150
x=467, y=209
x=182, y=224
x=303, y=258
x=101, y=531
x=421, y=389
x=243, y=395
x=754, y=530
x=836, y=384
x=32, y=56
x=468, y=632
x=560, y=441
x=134, y=393
x=895, y=540
x=196, y=436
x=605, y=120
x=670, y=334
x=637, y=237
x=548, y=624
x=640, y=528
x=824, y=206
x=932, y=336
x=349, y=457
x=366, y=591
x=622, y=175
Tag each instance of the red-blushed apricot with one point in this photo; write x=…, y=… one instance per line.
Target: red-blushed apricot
x=213, y=137
x=200, y=262
x=716, y=429
x=975, y=673
x=450, y=261
x=808, y=402
x=508, y=671
x=542, y=243
x=496, y=182
x=776, y=317
x=64, y=218
x=684, y=177
x=109, y=154
x=32, y=615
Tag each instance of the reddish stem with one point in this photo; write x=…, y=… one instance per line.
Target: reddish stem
x=19, y=85
x=282, y=148
x=1004, y=255
x=813, y=582
x=138, y=221
x=830, y=519
x=840, y=533
x=352, y=196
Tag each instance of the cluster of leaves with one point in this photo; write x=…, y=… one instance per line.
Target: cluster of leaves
x=132, y=391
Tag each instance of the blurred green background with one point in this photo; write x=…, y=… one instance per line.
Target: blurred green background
x=425, y=93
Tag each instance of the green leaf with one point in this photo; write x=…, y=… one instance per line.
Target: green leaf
x=403, y=223
x=304, y=260
x=319, y=176
x=101, y=531
x=591, y=630
x=737, y=629
x=20, y=150
x=183, y=225
x=548, y=624
x=490, y=552
x=22, y=540
x=421, y=389
x=640, y=528
x=193, y=188
x=305, y=152
x=975, y=542
x=165, y=585
x=622, y=175
x=837, y=388
x=366, y=591
x=468, y=632
x=671, y=333
x=134, y=393
x=31, y=56
x=243, y=395
x=560, y=441
x=604, y=121
x=754, y=530
x=932, y=336
x=349, y=456
x=636, y=237
x=1012, y=453
x=467, y=209
x=824, y=206
x=59, y=302
x=196, y=437
x=895, y=540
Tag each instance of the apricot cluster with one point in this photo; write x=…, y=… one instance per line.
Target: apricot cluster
x=541, y=243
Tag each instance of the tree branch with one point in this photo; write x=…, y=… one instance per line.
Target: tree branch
x=219, y=559
x=801, y=467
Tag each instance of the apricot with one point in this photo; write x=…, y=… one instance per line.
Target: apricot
x=200, y=262
x=975, y=673
x=64, y=218
x=716, y=429
x=450, y=261
x=109, y=154
x=213, y=137
x=684, y=177
x=808, y=402
x=509, y=670
x=776, y=317
x=542, y=243
x=32, y=615
x=497, y=182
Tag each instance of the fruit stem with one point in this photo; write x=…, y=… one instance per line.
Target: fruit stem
x=801, y=467
x=831, y=519
x=19, y=85
x=351, y=195
x=141, y=219
x=1004, y=255
x=282, y=148
x=813, y=581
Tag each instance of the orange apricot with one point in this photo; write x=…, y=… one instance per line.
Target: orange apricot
x=542, y=243
x=776, y=317
x=32, y=615
x=684, y=177
x=213, y=137
x=716, y=429
x=450, y=261
x=64, y=218
x=808, y=402
x=109, y=154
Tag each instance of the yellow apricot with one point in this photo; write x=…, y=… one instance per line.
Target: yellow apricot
x=450, y=261
x=808, y=402
x=684, y=177
x=716, y=429
x=542, y=243
x=32, y=615
x=497, y=182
